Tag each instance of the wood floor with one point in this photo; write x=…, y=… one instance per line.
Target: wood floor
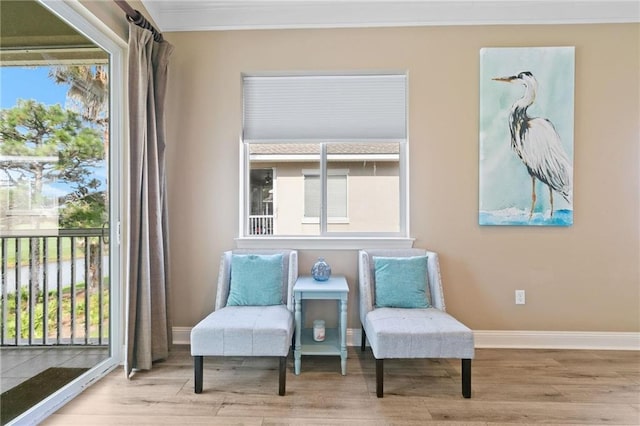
x=509, y=387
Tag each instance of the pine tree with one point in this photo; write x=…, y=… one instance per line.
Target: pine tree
x=45, y=144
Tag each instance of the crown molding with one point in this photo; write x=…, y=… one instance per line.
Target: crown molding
x=212, y=15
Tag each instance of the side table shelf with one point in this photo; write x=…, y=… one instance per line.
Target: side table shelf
x=335, y=343
x=330, y=345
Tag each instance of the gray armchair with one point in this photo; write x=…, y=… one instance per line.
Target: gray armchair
x=400, y=332
x=241, y=327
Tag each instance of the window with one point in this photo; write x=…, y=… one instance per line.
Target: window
x=337, y=195
x=324, y=155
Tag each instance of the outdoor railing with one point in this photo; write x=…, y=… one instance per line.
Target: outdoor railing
x=261, y=225
x=55, y=287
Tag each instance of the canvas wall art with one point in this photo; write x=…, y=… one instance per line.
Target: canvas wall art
x=526, y=136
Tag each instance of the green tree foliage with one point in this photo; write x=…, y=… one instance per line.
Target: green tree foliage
x=88, y=90
x=46, y=144
x=87, y=212
x=89, y=86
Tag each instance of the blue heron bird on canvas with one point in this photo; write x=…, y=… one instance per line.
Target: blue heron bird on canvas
x=537, y=143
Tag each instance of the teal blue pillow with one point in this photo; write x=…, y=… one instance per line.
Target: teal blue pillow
x=401, y=282
x=256, y=280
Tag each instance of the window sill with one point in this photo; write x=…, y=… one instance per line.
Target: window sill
x=324, y=243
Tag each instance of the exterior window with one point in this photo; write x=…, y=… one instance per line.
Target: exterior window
x=261, y=202
x=336, y=196
x=287, y=182
x=324, y=156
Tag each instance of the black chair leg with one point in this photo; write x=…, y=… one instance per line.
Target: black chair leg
x=363, y=340
x=466, y=378
x=379, y=377
x=197, y=369
x=282, y=381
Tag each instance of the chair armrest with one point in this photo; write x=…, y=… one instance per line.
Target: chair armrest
x=224, y=280
x=435, y=281
x=293, y=276
x=365, y=285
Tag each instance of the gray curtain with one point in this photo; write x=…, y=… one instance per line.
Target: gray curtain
x=148, y=316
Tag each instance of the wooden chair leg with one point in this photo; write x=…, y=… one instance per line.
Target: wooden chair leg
x=363, y=340
x=379, y=377
x=466, y=378
x=282, y=380
x=197, y=369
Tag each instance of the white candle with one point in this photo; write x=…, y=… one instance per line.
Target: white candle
x=318, y=330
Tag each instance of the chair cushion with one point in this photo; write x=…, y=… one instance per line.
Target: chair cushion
x=244, y=331
x=401, y=282
x=417, y=333
x=256, y=280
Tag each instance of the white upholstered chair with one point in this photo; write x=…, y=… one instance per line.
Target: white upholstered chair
x=239, y=327
x=401, y=332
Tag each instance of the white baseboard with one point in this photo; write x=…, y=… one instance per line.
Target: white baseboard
x=516, y=339
x=181, y=335
x=521, y=339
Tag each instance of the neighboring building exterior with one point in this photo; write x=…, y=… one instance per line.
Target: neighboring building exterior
x=22, y=205
x=363, y=187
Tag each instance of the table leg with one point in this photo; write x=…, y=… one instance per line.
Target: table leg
x=343, y=335
x=298, y=332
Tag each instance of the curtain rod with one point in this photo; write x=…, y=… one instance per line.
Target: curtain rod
x=138, y=18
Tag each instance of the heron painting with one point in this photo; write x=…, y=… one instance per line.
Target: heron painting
x=526, y=136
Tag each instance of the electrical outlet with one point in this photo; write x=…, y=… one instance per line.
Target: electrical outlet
x=520, y=297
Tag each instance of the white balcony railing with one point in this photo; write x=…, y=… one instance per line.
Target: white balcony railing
x=54, y=288
x=261, y=225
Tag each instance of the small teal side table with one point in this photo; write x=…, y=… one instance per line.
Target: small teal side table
x=335, y=342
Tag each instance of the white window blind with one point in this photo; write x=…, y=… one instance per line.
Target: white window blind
x=311, y=196
x=336, y=196
x=314, y=108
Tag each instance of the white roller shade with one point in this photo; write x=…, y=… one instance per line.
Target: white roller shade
x=312, y=108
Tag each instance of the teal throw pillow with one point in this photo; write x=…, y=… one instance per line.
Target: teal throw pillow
x=401, y=282
x=256, y=280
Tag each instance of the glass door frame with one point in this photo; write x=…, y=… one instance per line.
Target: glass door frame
x=78, y=17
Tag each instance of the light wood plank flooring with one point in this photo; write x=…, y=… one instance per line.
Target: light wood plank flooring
x=509, y=387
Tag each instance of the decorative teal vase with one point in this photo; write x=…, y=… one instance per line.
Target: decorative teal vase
x=321, y=270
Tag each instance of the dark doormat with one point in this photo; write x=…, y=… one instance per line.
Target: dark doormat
x=17, y=400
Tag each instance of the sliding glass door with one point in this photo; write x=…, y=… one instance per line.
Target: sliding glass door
x=58, y=207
